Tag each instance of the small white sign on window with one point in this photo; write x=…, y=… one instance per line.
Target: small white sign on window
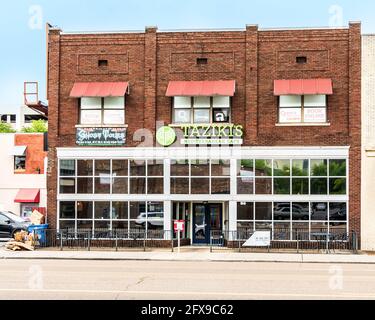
x=288, y=115
x=259, y=239
x=315, y=115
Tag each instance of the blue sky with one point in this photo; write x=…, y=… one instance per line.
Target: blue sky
x=23, y=51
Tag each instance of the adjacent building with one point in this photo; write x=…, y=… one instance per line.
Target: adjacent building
x=228, y=130
x=20, y=117
x=368, y=142
x=23, y=159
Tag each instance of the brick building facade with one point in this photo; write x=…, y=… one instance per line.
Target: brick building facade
x=149, y=63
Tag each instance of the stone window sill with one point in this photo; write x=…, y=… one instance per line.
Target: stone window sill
x=327, y=124
x=101, y=126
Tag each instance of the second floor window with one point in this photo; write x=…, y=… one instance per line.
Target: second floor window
x=303, y=109
x=19, y=164
x=201, y=109
x=102, y=111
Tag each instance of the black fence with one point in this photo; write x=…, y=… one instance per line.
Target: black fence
x=83, y=239
x=284, y=240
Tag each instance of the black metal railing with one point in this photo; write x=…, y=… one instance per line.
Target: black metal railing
x=283, y=240
x=87, y=239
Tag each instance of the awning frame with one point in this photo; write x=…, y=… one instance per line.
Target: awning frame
x=100, y=89
x=303, y=87
x=201, y=88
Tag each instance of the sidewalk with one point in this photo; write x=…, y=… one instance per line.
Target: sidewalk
x=190, y=255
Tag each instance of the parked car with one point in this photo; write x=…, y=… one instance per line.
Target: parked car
x=11, y=224
x=153, y=219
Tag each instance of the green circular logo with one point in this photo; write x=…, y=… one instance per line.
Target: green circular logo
x=165, y=136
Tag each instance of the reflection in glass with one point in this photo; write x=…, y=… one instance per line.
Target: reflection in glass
x=319, y=186
x=245, y=211
x=102, y=210
x=200, y=186
x=67, y=210
x=281, y=185
x=119, y=210
x=84, y=185
x=84, y=210
x=281, y=231
x=85, y=168
x=337, y=186
x=281, y=211
x=300, y=186
x=281, y=168
x=263, y=185
x=102, y=167
x=103, y=185
x=263, y=168
x=318, y=168
x=137, y=185
x=67, y=168
x=180, y=168
x=319, y=211
x=120, y=168
x=245, y=185
x=138, y=168
x=200, y=222
x=300, y=168
x=155, y=168
x=300, y=211
x=200, y=168
x=337, y=211
x=155, y=186
x=337, y=168
x=67, y=185
x=120, y=186
x=179, y=185
x=220, y=186
x=263, y=211
x=220, y=168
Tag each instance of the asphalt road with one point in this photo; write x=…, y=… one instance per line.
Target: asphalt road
x=67, y=279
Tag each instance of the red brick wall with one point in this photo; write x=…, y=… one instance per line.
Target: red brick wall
x=254, y=58
x=35, y=153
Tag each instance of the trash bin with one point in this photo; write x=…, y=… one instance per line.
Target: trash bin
x=40, y=232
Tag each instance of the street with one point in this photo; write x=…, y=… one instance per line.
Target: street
x=75, y=279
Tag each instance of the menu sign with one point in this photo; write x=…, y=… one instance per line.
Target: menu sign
x=105, y=137
x=316, y=115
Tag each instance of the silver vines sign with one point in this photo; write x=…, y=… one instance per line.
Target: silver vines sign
x=101, y=137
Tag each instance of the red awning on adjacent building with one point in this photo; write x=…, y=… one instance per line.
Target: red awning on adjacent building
x=303, y=87
x=201, y=88
x=99, y=89
x=28, y=196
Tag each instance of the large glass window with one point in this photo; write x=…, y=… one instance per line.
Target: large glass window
x=201, y=109
x=102, y=111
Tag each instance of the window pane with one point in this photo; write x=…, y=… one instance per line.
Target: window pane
x=263, y=186
x=119, y=210
x=281, y=168
x=202, y=116
x=220, y=168
x=281, y=231
x=91, y=103
x=245, y=185
x=290, y=101
x=138, y=168
x=281, y=185
x=114, y=103
x=319, y=211
x=120, y=168
x=155, y=186
x=339, y=230
x=300, y=211
x=290, y=115
x=67, y=210
x=67, y=168
x=263, y=211
x=114, y=117
x=103, y=185
x=302, y=230
x=101, y=229
x=155, y=168
x=70, y=225
x=102, y=210
x=84, y=210
x=179, y=186
x=319, y=168
x=245, y=211
x=244, y=230
x=263, y=226
x=121, y=226
x=200, y=186
x=91, y=116
x=138, y=186
x=263, y=168
x=220, y=186
x=155, y=217
x=337, y=168
x=180, y=168
x=315, y=100
x=337, y=212
x=337, y=186
x=319, y=186
x=182, y=102
x=85, y=168
x=136, y=210
x=300, y=168
x=245, y=168
x=120, y=186
x=202, y=102
x=318, y=231
x=102, y=167
x=300, y=186
x=315, y=115
x=221, y=115
x=200, y=168
x=84, y=185
x=281, y=211
x=67, y=186
x=182, y=115
x=221, y=102
x=84, y=226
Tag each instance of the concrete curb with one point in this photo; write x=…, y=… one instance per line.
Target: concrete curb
x=191, y=257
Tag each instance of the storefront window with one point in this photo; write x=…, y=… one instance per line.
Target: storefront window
x=67, y=168
x=85, y=168
x=102, y=210
x=84, y=210
x=245, y=211
x=84, y=185
x=67, y=210
x=67, y=185
x=319, y=211
x=263, y=211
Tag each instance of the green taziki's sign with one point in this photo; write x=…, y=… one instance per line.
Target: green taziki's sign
x=205, y=134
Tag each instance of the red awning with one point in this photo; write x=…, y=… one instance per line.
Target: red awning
x=99, y=89
x=303, y=86
x=28, y=196
x=201, y=88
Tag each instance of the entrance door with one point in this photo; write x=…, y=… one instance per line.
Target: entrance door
x=206, y=218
